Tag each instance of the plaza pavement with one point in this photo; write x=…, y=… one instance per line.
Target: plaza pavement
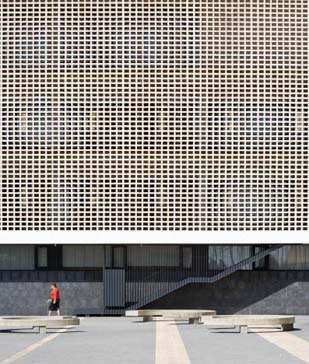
x=128, y=341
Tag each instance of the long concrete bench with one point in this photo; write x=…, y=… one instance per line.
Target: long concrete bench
x=41, y=323
x=243, y=322
x=193, y=316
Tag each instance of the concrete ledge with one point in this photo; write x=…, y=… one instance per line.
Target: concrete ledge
x=40, y=322
x=193, y=316
x=245, y=321
x=131, y=313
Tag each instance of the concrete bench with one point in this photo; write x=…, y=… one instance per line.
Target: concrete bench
x=41, y=323
x=243, y=322
x=193, y=316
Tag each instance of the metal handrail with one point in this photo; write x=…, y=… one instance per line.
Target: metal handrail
x=226, y=272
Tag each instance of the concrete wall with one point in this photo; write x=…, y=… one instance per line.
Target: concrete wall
x=243, y=292
x=247, y=293
x=31, y=298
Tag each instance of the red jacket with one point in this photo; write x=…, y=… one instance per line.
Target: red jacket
x=54, y=294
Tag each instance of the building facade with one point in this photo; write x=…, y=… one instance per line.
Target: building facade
x=170, y=118
x=107, y=279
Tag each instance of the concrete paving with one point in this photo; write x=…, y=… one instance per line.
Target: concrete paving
x=127, y=341
x=228, y=346
x=11, y=343
x=302, y=327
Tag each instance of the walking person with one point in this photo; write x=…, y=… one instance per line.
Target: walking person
x=54, y=304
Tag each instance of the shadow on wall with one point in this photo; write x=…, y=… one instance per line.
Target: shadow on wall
x=246, y=292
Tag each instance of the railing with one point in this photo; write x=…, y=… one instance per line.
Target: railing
x=208, y=279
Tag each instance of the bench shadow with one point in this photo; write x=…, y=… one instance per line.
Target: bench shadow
x=185, y=324
x=32, y=332
x=145, y=322
x=170, y=322
x=226, y=330
x=65, y=332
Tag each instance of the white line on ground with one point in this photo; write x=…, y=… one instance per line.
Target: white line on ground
x=34, y=346
x=170, y=348
x=290, y=343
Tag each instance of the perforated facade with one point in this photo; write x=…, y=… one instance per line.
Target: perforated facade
x=154, y=115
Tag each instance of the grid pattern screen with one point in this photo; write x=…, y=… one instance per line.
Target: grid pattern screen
x=154, y=115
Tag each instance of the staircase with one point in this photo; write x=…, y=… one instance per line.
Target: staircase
x=212, y=279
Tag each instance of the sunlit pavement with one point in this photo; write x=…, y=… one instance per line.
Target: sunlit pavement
x=127, y=340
